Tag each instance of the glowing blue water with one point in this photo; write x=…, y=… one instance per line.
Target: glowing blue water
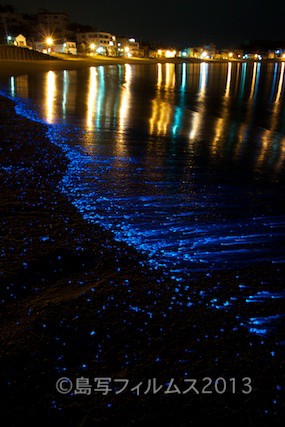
x=166, y=207
x=183, y=164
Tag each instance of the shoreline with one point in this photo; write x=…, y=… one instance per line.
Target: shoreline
x=76, y=303
x=16, y=67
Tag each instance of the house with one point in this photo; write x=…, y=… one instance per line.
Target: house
x=152, y=53
x=20, y=41
x=276, y=54
x=70, y=48
x=272, y=54
x=200, y=52
x=253, y=56
x=166, y=53
x=128, y=47
x=197, y=52
x=67, y=47
x=101, y=43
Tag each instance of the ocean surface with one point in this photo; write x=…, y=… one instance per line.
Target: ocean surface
x=185, y=162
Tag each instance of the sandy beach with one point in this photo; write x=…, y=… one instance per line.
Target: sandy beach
x=14, y=67
x=63, y=62
x=75, y=303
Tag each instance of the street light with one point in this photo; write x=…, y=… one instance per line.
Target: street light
x=49, y=41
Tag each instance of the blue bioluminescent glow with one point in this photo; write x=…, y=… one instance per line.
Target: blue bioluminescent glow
x=172, y=166
x=262, y=325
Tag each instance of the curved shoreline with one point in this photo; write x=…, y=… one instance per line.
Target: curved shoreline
x=17, y=67
x=75, y=303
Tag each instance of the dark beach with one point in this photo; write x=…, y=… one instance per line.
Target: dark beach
x=75, y=303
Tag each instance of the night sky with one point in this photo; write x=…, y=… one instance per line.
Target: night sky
x=182, y=22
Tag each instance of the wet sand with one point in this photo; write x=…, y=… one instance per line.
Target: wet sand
x=74, y=303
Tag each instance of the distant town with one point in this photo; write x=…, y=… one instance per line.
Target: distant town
x=52, y=33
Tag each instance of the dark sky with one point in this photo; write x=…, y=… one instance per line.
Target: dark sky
x=183, y=22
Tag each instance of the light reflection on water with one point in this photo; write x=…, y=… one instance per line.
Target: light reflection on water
x=50, y=96
x=184, y=161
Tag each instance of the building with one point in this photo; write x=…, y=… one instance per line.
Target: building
x=68, y=47
x=144, y=50
x=164, y=53
x=86, y=37
x=272, y=54
x=253, y=56
x=128, y=47
x=229, y=54
x=20, y=41
x=152, y=53
x=53, y=24
x=101, y=43
x=183, y=53
x=276, y=54
x=238, y=53
x=199, y=52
